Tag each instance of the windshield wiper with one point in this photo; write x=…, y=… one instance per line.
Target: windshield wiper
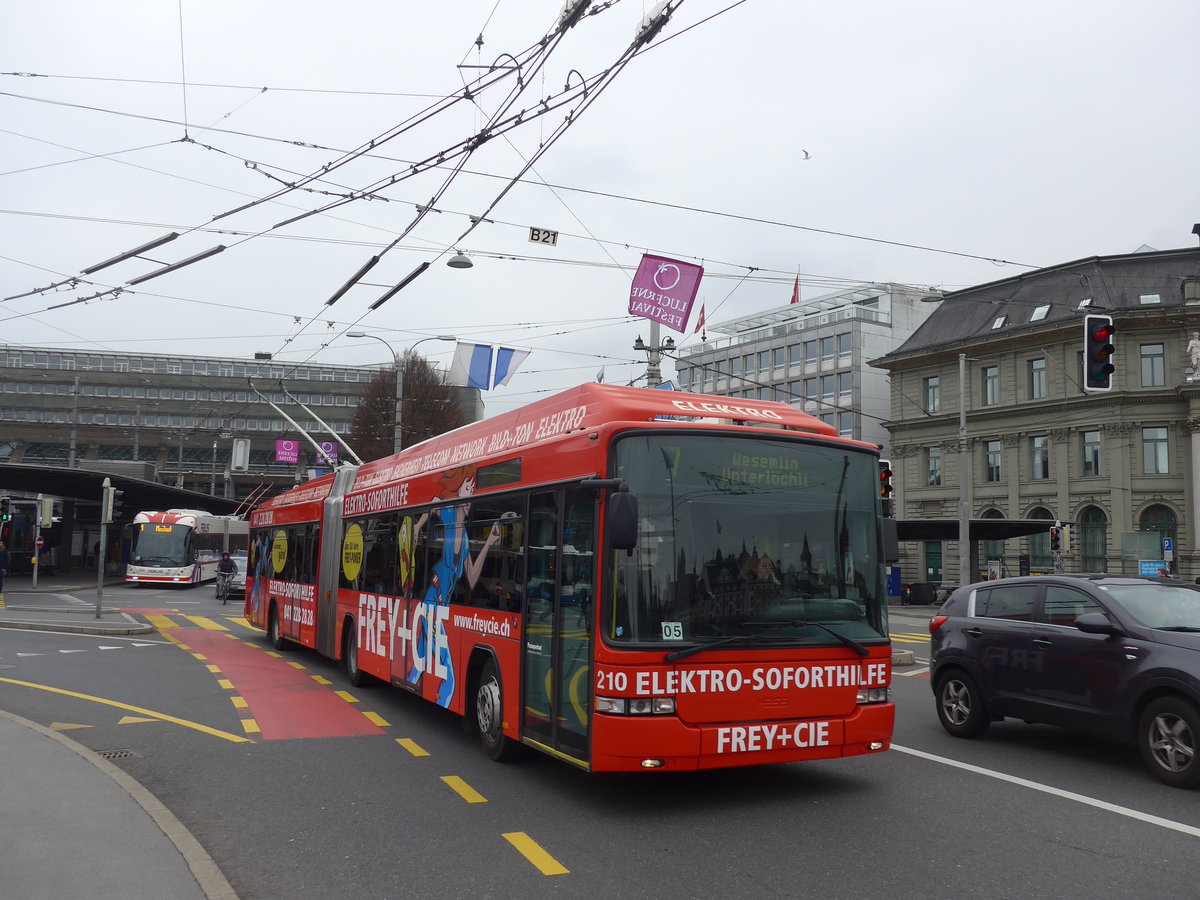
x=850, y=642
x=683, y=652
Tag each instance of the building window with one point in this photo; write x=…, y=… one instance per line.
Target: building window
x=1091, y=453
x=991, y=385
x=810, y=389
x=933, y=467
x=1041, y=558
x=1040, y=313
x=778, y=356
x=1161, y=519
x=764, y=360
x=992, y=457
x=1154, y=372
x=994, y=549
x=933, y=394
x=1037, y=379
x=794, y=355
x=999, y=322
x=845, y=424
x=845, y=385
x=1148, y=299
x=827, y=387
x=1040, y=460
x=1093, y=528
x=826, y=350
x=1154, y=451
x=1084, y=303
x=735, y=366
x=843, y=349
x=810, y=353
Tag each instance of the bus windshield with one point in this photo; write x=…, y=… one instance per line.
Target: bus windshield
x=758, y=539
x=157, y=544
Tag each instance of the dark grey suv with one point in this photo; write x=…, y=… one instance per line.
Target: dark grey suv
x=1119, y=655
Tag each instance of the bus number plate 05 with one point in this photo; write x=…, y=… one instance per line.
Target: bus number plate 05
x=672, y=631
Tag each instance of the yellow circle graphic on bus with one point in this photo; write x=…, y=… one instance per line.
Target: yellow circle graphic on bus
x=352, y=552
x=279, y=551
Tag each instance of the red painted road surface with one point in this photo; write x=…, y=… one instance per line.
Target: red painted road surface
x=285, y=701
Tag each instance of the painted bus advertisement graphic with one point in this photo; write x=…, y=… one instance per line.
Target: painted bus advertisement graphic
x=624, y=579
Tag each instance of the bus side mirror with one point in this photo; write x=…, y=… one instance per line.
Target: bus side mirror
x=621, y=524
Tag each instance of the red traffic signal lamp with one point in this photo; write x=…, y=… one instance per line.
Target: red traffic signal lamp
x=1056, y=538
x=886, y=487
x=1098, y=349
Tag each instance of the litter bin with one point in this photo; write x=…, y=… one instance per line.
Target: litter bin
x=921, y=593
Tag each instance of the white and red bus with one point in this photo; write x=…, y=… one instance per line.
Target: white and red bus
x=623, y=578
x=182, y=546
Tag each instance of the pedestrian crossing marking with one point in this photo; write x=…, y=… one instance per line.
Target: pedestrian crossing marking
x=161, y=622
x=206, y=623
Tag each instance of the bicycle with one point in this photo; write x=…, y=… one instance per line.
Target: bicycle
x=223, y=582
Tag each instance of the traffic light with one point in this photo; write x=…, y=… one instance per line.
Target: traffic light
x=110, y=505
x=1098, y=349
x=886, y=487
x=1056, y=538
x=5, y=513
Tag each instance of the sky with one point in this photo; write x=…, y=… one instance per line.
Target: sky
x=928, y=143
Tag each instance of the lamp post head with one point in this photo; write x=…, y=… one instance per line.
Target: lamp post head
x=459, y=261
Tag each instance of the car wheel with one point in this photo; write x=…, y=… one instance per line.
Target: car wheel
x=1167, y=736
x=357, y=676
x=489, y=715
x=274, y=634
x=960, y=706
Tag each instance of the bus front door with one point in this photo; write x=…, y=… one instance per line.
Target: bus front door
x=557, y=687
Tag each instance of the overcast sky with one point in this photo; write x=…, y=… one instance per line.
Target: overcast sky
x=1000, y=137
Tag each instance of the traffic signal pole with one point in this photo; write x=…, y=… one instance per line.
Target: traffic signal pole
x=104, y=517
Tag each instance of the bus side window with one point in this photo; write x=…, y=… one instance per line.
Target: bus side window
x=501, y=580
x=416, y=584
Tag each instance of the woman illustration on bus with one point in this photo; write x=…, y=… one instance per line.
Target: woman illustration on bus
x=454, y=563
x=260, y=553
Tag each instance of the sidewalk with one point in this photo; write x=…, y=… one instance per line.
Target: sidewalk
x=75, y=825
x=55, y=605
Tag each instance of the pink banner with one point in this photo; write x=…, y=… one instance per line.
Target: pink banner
x=331, y=448
x=287, y=452
x=663, y=290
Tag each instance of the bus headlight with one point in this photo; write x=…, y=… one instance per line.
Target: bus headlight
x=637, y=706
x=874, y=695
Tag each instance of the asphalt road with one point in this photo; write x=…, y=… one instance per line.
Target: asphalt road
x=383, y=795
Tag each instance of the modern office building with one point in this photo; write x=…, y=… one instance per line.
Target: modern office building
x=813, y=355
x=1117, y=467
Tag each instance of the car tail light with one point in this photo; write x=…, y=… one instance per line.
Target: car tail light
x=937, y=622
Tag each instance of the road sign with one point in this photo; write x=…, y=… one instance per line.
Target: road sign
x=1168, y=544
x=41, y=541
x=543, y=236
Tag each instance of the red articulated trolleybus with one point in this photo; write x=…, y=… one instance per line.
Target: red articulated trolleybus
x=623, y=578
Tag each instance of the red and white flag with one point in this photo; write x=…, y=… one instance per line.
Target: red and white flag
x=796, y=291
x=699, y=321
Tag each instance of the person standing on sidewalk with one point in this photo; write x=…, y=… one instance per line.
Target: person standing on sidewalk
x=4, y=561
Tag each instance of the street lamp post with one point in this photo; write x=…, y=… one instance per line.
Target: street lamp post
x=397, y=440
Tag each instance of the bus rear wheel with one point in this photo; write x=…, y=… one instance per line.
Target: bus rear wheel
x=274, y=634
x=489, y=715
x=356, y=676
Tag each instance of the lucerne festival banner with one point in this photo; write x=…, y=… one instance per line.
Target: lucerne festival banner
x=663, y=290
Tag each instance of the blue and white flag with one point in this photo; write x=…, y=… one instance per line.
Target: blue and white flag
x=600, y=375
x=507, y=362
x=472, y=365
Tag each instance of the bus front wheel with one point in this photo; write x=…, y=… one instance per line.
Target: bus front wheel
x=489, y=715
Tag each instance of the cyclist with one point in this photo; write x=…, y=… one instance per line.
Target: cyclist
x=226, y=569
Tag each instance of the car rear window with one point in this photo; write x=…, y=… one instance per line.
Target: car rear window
x=1008, y=602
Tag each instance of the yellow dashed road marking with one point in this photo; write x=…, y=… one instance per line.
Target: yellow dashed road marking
x=321, y=679
x=377, y=719
x=251, y=727
x=412, y=747
x=239, y=702
x=532, y=851
x=347, y=696
x=465, y=791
